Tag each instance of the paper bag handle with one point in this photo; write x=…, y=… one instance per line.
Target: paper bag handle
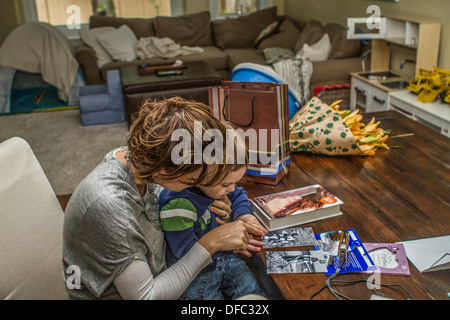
x=240, y=125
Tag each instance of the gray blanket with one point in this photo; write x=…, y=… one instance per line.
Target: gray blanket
x=153, y=47
x=38, y=47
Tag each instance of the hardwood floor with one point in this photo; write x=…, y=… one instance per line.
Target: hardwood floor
x=63, y=200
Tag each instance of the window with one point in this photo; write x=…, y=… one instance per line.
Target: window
x=55, y=12
x=142, y=8
x=61, y=14
x=223, y=9
x=237, y=6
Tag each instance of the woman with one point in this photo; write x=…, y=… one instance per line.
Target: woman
x=112, y=231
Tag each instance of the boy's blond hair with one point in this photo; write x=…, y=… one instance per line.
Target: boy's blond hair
x=235, y=156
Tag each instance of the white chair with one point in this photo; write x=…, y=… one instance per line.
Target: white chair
x=31, y=222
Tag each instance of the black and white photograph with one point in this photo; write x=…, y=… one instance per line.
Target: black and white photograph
x=307, y=261
x=289, y=237
x=330, y=242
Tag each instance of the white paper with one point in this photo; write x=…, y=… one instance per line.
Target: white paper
x=429, y=254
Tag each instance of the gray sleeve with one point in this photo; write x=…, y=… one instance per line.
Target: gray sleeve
x=136, y=281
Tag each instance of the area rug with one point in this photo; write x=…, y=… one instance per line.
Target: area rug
x=37, y=99
x=66, y=150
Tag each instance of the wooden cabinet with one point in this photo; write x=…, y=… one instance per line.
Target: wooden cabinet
x=407, y=38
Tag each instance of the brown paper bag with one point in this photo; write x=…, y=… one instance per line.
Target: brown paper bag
x=261, y=107
x=318, y=129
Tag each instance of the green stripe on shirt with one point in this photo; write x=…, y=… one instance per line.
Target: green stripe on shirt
x=178, y=214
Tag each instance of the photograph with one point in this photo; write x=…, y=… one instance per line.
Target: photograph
x=289, y=237
x=306, y=261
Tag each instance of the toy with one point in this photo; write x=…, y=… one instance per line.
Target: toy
x=446, y=96
x=431, y=85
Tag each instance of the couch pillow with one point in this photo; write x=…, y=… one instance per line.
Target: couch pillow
x=286, y=37
x=242, y=32
x=267, y=31
x=90, y=38
x=341, y=46
x=141, y=27
x=312, y=33
x=318, y=51
x=120, y=43
x=273, y=55
x=188, y=30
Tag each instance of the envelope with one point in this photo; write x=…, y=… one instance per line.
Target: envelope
x=429, y=254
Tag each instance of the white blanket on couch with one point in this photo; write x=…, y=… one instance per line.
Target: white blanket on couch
x=297, y=74
x=153, y=47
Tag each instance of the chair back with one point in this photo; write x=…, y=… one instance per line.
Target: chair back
x=31, y=222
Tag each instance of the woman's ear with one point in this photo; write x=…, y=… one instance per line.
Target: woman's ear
x=160, y=172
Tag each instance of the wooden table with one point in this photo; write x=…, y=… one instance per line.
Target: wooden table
x=396, y=195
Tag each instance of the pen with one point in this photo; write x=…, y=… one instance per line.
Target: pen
x=343, y=248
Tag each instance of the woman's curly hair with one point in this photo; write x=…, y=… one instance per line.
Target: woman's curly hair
x=152, y=146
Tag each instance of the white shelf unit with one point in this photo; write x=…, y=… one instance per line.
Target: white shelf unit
x=436, y=114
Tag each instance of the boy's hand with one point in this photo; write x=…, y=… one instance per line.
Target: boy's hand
x=256, y=228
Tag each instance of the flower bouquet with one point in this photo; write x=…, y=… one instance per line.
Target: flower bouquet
x=323, y=129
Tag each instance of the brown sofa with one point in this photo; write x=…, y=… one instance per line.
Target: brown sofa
x=229, y=42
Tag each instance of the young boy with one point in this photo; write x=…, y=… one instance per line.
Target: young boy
x=186, y=217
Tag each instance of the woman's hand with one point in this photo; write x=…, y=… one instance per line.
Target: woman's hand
x=256, y=228
x=222, y=208
x=253, y=245
x=253, y=227
x=231, y=236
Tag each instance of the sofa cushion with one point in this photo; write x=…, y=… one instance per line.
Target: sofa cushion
x=273, y=55
x=267, y=31
x=141, y=27
x=341, y=46
x=243, y=31
x=212, y=56
x=312, y=33
x=87, y=61
x=188, y=30
x=334, y=70
x=318, y=51
x=241, y=55
x=90, y=38
x=119, y=43
x=286, y=37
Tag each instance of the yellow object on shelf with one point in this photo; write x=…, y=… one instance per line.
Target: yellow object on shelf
x=431, y=85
